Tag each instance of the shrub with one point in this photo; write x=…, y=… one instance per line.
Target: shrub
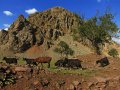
x=6, y=77
x=113, y=52
x=64, y=49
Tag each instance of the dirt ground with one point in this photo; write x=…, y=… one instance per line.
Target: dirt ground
x=33, y=82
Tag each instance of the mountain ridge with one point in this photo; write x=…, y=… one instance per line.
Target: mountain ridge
x=40, y=28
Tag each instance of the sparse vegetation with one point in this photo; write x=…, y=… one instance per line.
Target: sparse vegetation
x=113, y=52
x=86, y=72
x=21, y=61
x=6, y=77
x=64, y=49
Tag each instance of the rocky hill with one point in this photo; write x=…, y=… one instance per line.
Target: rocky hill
x=38, y=29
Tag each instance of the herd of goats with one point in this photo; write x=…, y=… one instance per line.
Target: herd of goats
x=66, y=63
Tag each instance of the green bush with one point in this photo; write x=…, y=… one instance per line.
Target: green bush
x=6, y=77
x=63, y=49
x=113, y=52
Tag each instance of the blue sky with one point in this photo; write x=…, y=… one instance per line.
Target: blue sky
x=11, y=9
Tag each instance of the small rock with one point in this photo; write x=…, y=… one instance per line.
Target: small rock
x=114, y=68
x=117, y=78
x=32, y=88
x=90, y=84
x=20, y=76
x=22, y=69
x=27, y=78
x=101, y=79
x=35, y=82
x=76, y=83
x=101, y=82
x=72, y=87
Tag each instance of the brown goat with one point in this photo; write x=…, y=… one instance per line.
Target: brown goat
x=43, y=60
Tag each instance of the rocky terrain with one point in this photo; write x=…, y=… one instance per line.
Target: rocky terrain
x=39, y=28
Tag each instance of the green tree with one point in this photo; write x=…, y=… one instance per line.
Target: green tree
x=113, y=52
x=98, y=29
x=64, y=49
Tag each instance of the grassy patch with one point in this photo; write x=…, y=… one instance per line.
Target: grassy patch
x=86, y=72
x=21, y=62
x=1, y=59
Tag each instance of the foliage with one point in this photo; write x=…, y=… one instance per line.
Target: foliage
x=64, y=49
x=113, y=52
x=58, y=50
x=6, y=77
x=98, y=30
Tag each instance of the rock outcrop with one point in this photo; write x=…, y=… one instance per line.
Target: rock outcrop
x=3, y=37
x=54, y=19
x=20, y=35
x=39, y=28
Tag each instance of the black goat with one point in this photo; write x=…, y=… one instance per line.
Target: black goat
x=10, y=60
x=69, y=63
x=30, y=61
x=60, y=63
x=73, y=63
x=103, y=62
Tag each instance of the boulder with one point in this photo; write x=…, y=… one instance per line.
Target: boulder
x=20, y=76
x=101, y=82
x=22, y=69
x=76, y=83
x=35, y=82
x=71, y=87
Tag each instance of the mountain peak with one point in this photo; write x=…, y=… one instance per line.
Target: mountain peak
x=21, y=18
x=58, y=9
